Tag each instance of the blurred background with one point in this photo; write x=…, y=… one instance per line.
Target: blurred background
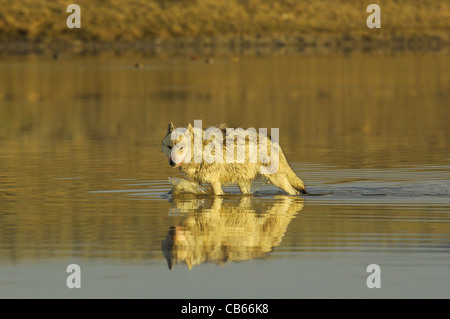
x=171, y=26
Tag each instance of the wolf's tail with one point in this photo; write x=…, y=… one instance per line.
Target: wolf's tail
x=296, y=182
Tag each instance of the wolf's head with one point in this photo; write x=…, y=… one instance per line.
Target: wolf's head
x=176, y=144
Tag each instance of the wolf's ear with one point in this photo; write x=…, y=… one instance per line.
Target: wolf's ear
x=169, y=128
x=189, y=131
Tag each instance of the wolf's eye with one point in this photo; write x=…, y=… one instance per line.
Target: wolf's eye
x=170, y=147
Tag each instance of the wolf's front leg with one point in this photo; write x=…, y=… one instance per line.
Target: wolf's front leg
x=180, y=185
x=216, y=187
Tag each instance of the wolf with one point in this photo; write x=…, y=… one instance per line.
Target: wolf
x=242, y=171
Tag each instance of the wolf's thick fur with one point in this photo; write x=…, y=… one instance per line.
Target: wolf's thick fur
x=217, y=174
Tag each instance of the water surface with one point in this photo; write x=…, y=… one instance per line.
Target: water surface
x=83, y=180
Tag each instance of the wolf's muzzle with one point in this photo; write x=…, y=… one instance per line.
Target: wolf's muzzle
x=172, y=163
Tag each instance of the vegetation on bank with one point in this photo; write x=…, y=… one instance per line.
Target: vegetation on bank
x=140, y=20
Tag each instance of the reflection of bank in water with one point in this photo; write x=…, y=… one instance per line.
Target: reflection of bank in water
x=219, y=230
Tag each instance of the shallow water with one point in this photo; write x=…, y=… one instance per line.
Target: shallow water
x=83, y=180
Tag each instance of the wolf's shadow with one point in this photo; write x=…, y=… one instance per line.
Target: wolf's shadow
x=222, y=229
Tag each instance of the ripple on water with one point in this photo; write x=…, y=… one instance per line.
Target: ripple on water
x=421, y=185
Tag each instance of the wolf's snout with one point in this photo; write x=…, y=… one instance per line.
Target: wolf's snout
x=172, y=163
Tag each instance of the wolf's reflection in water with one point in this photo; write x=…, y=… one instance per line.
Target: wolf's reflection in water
x=223, y=229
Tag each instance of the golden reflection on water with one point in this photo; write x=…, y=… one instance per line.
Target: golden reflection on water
x=219, y=232
x=82, y=124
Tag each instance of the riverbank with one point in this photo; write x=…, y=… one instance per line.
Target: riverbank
x=233, y=25
x=230, y=46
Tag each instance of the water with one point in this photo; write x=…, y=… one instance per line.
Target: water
x=83, y=180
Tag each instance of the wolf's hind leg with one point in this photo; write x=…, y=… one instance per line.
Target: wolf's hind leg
x=282, y=181
x=245, y=187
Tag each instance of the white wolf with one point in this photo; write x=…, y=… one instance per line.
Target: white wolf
x=213, y=161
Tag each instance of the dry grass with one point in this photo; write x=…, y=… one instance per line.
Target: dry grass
x=137, y=20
